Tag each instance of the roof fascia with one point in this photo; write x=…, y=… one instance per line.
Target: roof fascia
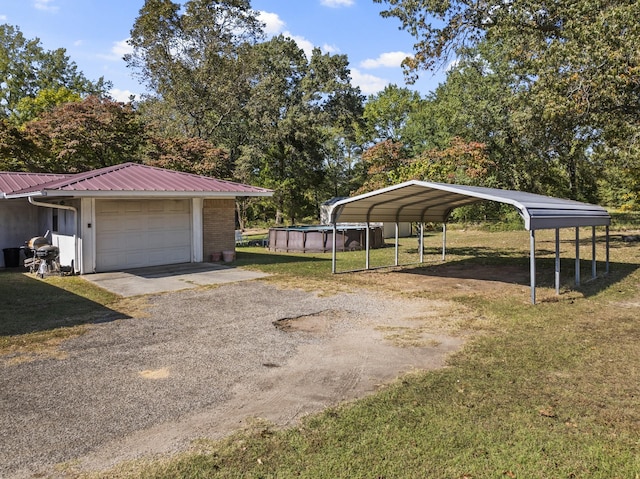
x=142, y=194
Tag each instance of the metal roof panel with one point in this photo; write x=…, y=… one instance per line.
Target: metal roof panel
x=425, y=201
x=135, y=178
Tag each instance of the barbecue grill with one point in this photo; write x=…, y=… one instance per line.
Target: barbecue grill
x=41, y=256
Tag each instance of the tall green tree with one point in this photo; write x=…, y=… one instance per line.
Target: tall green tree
x=574, y=64
x=386, y=114
x=297, y=107
x=27, y=70
x=196, y=58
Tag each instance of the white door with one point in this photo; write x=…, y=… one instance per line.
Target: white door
x=138, y=233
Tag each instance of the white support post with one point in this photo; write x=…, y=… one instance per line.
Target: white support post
x=532, y=265
x=421, y=243
x=557, y=261
x=368, y=244
x=607, y=260
x=577, y=256
x=397, y=255
x=594, y=271
x=333, y=249
x=444, y=241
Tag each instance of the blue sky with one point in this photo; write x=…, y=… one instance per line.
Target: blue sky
x=94, y=33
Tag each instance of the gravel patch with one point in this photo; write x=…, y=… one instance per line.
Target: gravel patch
x=201, y=362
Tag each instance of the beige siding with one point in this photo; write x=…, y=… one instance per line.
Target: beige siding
x=219, y=223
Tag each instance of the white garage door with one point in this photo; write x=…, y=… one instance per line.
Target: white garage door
x=137, y=233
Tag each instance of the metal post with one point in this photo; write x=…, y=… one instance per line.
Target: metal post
x=333, y=250
x=444, y=241
x=558, y=261
x=577, y=256
x=421, y=242
x=397, y=242
x=594, y=272
x=607, y=262
x=367, y=262
x=532, y=265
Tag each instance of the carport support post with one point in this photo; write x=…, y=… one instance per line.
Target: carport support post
x=333, y=249
x=444, y=241
x=421, y=242
x=594, y=271
x=577, y=256
x=397, y=256
x=558, y=261
x=532, y=266
x=607, y=261
x=367, y=242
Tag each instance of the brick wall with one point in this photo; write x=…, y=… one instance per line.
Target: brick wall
x=218, y=224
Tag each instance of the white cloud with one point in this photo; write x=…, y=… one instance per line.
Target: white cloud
x=121, y=48
x=121, y=95
x=302, y=42
x=118, y=50
x=332, y=49
x=46, y=5
x=78, y=43
x=273, y=23
x=3, y=18
x=337, y=3
x=369, y=84
x=388, y=60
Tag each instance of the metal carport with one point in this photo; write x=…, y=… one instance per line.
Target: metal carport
x=422, y=201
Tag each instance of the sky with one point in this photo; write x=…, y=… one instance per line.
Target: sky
x=94, y=34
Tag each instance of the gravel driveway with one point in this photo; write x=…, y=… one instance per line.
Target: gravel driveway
x=200, y=364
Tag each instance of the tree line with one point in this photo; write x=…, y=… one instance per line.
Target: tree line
x=538, y=97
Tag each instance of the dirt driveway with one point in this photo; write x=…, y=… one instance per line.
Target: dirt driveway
x=202, y=363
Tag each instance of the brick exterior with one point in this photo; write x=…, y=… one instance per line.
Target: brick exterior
x=218, y=224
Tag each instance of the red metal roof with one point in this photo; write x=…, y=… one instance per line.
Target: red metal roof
x=136, y=178
x=12, y=182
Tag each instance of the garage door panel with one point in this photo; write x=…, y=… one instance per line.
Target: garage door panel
x=138, y=233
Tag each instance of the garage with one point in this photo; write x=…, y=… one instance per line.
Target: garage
x=138, y=233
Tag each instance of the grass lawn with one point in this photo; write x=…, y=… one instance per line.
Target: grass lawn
x=544, y=391
x=37, y=315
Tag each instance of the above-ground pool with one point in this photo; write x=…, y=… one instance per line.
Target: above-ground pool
x=319, y=238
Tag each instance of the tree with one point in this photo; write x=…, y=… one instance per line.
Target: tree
x=17, y=152
x=386, y=114
x=190, y=155
x=574, y=68
x=298, y=106
x=196, y=59
x=382, y=163
x=82, y=136
x=30, y=108
x=26, y=70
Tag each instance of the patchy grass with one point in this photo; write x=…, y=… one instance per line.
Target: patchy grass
x=550, y=390
x=37, y=315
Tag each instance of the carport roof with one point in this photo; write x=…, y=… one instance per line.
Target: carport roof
x=422, y=201
x=127, y=179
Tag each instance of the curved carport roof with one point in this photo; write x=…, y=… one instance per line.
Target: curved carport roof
x=423, y=201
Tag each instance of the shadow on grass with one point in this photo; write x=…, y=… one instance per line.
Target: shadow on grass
x=515, y=270
x=28, y=305
x=249, y=258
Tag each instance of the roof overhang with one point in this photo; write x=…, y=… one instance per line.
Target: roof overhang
x=422, y=201
x=136, y=194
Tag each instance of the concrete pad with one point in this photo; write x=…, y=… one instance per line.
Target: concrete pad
x=159, y=279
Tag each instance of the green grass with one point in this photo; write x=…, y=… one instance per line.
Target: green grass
x=38, y=314
x=545, y=391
